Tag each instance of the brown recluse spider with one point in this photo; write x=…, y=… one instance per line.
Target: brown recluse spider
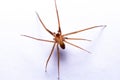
x=60, y=39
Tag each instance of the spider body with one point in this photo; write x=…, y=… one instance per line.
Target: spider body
x=60, y=39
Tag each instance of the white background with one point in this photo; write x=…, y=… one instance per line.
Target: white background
x=22, y=58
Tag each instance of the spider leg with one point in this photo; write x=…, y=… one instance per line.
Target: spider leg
x=84, y=30
x=44, y=24
x=77, y=46
x=77, y=39
x=59, y=29
x=58, y=54
x=38, y=39
x=49, y=57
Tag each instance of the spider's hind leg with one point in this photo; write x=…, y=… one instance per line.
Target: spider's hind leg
x=49, y=57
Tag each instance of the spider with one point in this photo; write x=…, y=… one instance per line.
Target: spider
x=60, y=39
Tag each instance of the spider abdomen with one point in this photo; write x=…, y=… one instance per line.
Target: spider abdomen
x=62, y=45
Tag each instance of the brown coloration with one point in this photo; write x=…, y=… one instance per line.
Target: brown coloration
x=60, y=38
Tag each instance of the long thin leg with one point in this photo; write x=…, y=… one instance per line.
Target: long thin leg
x=77, y=39
x=44, y=24
x=49, y=57
x=83, y=30
x=58, y=53
x=38, y=39
x=77, y=46
x=59, y=29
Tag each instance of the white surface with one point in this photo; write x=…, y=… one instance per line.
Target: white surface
x=22, y=58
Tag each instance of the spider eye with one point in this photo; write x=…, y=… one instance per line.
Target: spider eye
x=57, y=34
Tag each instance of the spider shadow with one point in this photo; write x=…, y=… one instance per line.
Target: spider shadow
x=54, y=59
x=63, y=54
x=97, y=39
